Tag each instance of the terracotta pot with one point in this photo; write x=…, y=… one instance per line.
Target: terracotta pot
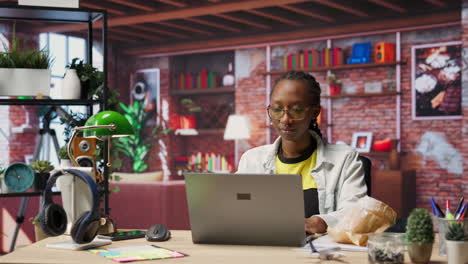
x=335, y=89
x=457, y=251
x=420, y=253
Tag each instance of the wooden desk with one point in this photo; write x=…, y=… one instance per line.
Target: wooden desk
x=182, y=241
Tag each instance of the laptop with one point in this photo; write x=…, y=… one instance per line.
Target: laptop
x=249, y=209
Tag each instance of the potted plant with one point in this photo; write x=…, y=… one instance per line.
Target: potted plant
x=334, y=84
x=38, y=232
x=420, y=235
x=24, y=72
x=63, y=156
x=188, y=119
x=42, y=168
x=457, y=243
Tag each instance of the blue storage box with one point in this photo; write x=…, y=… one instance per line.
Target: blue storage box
x=360, y=54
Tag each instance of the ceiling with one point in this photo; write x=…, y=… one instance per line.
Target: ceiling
x=157, y=26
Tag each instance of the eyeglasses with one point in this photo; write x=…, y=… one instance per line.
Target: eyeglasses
x=295, y=113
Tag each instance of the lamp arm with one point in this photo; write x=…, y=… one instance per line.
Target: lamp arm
x=111, y=126
x=69, y=148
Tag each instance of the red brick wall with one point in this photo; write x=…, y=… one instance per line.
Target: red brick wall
x=464, y=122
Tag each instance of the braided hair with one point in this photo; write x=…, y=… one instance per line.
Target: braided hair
x=313, y=89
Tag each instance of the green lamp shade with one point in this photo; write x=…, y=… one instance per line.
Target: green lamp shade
x=122, y=126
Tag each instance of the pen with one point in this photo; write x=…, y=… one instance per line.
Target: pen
x=439, y=211
x=462, y=211
x=460, y=204
x=448, y=214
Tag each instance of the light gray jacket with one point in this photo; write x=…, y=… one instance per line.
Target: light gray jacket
x=338, y=173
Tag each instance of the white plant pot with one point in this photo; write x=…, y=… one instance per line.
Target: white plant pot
x=76, y=196
x=71, y=86
x=24, y=82
x=457, y=252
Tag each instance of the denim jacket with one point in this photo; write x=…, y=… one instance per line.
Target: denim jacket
x=338, y=173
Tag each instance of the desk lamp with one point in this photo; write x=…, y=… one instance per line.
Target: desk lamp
x=103, y=126
x=237, y=127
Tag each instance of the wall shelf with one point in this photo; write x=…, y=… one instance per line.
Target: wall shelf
x=341, y=67
x=203, y=91
x=388, y=93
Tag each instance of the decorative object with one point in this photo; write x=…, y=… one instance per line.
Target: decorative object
x=91, y=79
x=457, y=243
x=360, y=53
x=362, y=141
x=18, y=177
x=373, y=87
x=71, y=88
x=384, y=52
x=237, y=128
x=382, y=145
x=145, y=89
x=228, y=78
x=420, y=235
x=24, y=72
x=436, y=81
x=38, y=232
x=334, y=84
x=189, y=108
x=443, y=226
x=42, y=169
x=386, y=248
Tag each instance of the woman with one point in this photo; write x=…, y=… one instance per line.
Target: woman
x=332, y=175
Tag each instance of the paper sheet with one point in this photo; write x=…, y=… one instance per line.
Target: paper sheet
x=328, y=242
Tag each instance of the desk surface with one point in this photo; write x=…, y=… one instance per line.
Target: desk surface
x=182, y=241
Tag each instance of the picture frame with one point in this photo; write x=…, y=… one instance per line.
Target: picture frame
x=145, y=87
x=362, y=141
x=436, y=81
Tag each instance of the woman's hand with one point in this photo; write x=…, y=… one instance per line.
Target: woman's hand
x=315, y=224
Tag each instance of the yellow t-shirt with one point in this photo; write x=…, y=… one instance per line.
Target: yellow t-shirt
x=303, y=168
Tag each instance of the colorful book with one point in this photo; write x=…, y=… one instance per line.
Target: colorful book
x=285, y=62
x=289, y=61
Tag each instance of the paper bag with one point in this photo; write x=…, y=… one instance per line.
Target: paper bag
x=368, y=216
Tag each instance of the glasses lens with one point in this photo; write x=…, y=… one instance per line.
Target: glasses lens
x=275, y=113
x=297, y=113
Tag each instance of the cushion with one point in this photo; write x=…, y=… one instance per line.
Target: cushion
x=140, y=177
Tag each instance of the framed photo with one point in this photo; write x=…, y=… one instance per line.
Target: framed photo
x=436, y=81
x=362, y=141
x=144, y=87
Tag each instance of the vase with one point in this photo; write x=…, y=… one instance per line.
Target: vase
x=457, y=251
x=71, y=86
x=335, y=89
x=420, y=253
x=38, y=232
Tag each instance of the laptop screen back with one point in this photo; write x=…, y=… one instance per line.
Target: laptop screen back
x=255, y=209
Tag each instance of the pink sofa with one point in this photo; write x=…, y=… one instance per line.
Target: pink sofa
x=137, y=205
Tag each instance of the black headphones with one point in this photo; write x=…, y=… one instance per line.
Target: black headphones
x=53, y=218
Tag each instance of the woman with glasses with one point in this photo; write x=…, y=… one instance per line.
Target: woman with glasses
x=332, y=175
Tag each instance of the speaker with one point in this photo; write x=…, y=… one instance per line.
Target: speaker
x=83, y=151
x=52, y=216
x=384, y=52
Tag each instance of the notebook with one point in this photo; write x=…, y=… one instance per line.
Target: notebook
x=252, y=209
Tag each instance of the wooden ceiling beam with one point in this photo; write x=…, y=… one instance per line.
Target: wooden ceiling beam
x=341, y=7
x=437, y=3
x=243, y=21
x=136, y=34
x=109, y=10
x=173, y=3
x=308, y=13
x=186, y=28
x=181, y=13
x=274, y=17
x=235, y=42
x=388, y=5
x=134, y=4
x=159, y=31
x=213, y=24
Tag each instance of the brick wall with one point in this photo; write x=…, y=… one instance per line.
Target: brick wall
x=464, y=122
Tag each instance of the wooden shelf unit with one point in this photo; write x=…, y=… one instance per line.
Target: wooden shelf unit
x=204, y=91
x=340, y=67
x=386, y=93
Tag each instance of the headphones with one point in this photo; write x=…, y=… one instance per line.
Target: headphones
x=53, y=218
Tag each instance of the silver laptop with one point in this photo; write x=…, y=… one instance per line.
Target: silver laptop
x=253, y=209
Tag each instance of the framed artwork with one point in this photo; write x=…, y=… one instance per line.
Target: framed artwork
x=144, y=87
x=436, y=81
x=362, y=141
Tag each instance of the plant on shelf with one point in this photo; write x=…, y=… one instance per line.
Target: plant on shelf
x=16, y=57
x=457, y=243
x=92, y=83
x=189, y=108
x=137, y=146
x=42, y=168
x=420, y=235
x=334, y=84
